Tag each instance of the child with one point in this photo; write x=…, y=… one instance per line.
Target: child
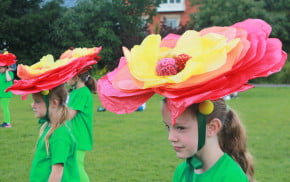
x=6, y=80
x=81, y=113
x=223, y=140
x=193, y=71
x=55, y=156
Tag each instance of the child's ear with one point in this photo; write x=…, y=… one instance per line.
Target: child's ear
x=213, y=127
x=54, y=103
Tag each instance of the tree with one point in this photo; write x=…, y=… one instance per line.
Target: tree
x=280, y=19
x=225, y=12
x=103, y=23
x=33, y=28
x=228, y=12
x=25, y=26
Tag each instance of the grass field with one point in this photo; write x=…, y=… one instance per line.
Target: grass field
x=134, y=147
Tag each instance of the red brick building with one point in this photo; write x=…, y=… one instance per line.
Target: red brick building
x=175, y=12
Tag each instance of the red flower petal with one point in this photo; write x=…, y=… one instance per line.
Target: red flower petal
x=55, y=77
x=7, y=59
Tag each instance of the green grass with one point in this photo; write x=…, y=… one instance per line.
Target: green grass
x=134, y=147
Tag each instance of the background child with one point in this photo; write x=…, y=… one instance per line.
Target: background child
x=225, y=140
x=81, y=111
x=55, y=157
x=6, y=80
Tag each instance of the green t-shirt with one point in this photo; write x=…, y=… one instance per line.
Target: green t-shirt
x=224, y=170
x=81, y=100
x=4, y=84
x=62, y=149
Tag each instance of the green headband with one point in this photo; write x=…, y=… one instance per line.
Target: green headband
x=201, y=122
x=204, y=108
x=46, y=117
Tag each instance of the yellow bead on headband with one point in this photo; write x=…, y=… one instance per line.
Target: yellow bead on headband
x=206, y=107
x=44, y=92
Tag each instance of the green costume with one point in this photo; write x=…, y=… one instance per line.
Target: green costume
x=81, y=100
x=62, y=149
x=4, y=84
x=224, y=170
x=5, y=96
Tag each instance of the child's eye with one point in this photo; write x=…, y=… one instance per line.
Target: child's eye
x=167, y=127
x=180, y=128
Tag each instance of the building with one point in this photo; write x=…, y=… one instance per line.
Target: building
x=175, y=12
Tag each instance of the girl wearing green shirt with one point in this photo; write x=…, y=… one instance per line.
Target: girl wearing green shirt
x=55, y=156
x=214, y=145
x=6, y=80
x=80, y=104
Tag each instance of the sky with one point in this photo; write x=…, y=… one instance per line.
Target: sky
x=67, y=3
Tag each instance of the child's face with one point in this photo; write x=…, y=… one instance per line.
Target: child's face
x=183, y=135
x=38, y=106
x=71, y=81
x=3, y=69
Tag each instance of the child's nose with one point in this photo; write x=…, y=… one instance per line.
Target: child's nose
x=172, y=136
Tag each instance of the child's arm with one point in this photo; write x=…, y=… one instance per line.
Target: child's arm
x=8, y=77
x=72, y=113
x=56, y=173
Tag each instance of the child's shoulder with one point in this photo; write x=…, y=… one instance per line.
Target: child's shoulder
x=232, y=168
x=83, y=91
x=61, y=132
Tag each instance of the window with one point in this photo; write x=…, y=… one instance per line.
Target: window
x=171, y=6
x=172, y=21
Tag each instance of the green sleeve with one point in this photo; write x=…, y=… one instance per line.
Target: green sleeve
x=236, y=177
x=75, y=103
x=60, y=147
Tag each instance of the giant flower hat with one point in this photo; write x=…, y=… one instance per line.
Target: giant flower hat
x=7, y=59
x=192, y=67
x=47, y=73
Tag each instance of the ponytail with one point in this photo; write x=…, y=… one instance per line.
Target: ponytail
x=89, y=81
x=233, y=141
x=232, y=137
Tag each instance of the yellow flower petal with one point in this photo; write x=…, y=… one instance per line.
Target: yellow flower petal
x=207, y=52
x=142, y=65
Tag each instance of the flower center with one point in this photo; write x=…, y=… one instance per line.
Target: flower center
x=171, y=66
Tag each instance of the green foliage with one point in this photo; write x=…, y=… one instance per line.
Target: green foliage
x=228, y=12
x=134, y=147
x=26, y=28
x=33, y=28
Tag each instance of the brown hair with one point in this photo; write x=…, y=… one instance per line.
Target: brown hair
x=89, y=81
x=59, y=93
x=232, y=136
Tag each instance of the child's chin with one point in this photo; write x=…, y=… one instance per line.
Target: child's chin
x=181, y=156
